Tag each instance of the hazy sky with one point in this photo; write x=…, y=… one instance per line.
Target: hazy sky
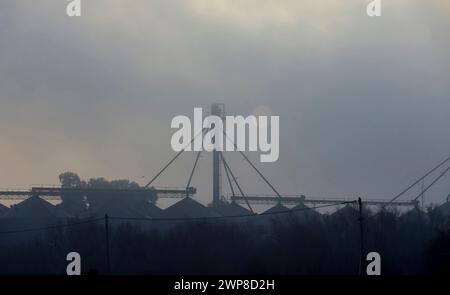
x=364, y=103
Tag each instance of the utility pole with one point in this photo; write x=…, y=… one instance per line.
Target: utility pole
x=108, y=258
x=361, y=238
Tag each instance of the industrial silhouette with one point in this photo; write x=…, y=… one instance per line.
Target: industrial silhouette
x=228, y=236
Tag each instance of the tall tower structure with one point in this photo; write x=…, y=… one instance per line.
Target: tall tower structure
x=217, y=109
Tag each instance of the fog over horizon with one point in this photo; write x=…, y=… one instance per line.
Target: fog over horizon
x=364, y=103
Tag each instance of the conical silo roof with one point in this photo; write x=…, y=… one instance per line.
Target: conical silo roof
x=231, y=209
x=276, y=209
x=128, y=209
x=304, y=212
x=346, y=211
x=188, y=208
x=35, y=207
x=278, y=213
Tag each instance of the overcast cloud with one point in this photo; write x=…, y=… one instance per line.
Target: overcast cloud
x=364, y=103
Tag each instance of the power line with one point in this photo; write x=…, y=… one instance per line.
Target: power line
x=171, y=219
x=50, y=227
x=230, y=216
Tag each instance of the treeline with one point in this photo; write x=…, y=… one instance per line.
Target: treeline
x=72, y=180
x=77, y=204
x=415, y=243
